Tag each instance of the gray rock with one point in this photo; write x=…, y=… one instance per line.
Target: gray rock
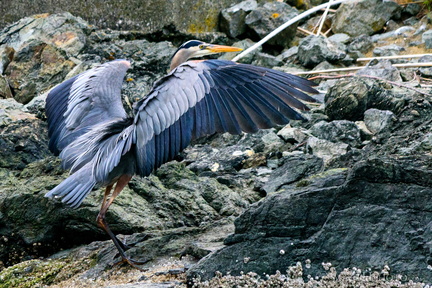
x=382, y=69
x=36, y=67
x=412, y=9
x=363, y=17
x=378, y=120
x=426, y=71
x=5, y=91
x=340, y=38
x=232, y=20
x=288, y=55
x=316, y=49
x=163, y=17
x=294, y=168
x=63, y=31
x=325, y=149
x=339, y=216
x=268, y=17
x=337, y=131
x=388, y=50
x=427, y=39
x=6, y=56
x=292, y=135
x=266, y=60
x=347, y=99
x=404, y=31
x=362, y=43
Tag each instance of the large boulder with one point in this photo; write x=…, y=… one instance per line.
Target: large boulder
x=316, y=49
x=270, y=16
x=149, y=16
x=362, y=217
x=363, y=16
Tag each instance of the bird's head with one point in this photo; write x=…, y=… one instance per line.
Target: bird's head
x=195, y=48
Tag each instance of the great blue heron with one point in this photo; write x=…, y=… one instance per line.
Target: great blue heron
x=103, y=146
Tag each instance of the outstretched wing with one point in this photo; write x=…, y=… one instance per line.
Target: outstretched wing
x=204, y=97
x=88, y=99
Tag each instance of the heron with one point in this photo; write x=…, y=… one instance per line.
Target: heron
x=103, y=146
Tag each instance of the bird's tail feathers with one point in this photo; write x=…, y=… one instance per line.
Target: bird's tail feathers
x=75, y=188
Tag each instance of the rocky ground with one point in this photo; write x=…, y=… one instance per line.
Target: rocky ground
x=287, y=207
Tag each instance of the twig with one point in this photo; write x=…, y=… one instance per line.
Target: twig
x=285, y=25
x=402, y=65
x=323, y=18
x=305, y=31
x=393, y=57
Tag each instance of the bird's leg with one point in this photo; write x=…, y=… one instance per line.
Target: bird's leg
x=121, y=183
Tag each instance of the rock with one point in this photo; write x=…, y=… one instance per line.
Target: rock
x=5, y=91
x=362, y=43
x=12, y=111
x=363, y=16
x=411, y=9
x=378, y=120
x=389, y=50
x=425, y=71
x=292, y=135
x=347, y=99
x=325, y=149
x=151, y=17
x=340, y=38
x=288, y=55
x=62, y=31
x=316, y=49
x=337, y=131
x=268, y=17
x=382, y=69
x=404, y=31
x=427, y=39
x=266, y=60
x=6, y=56
x=337, y=202
x=36, y=67
x=232, y=20
x=294, y=168
x=144, y=200
x=364, y=131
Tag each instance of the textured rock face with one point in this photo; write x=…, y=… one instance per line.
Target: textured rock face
x=314, y=50
x=363, y=16
x=148, y=16
x=315, y=226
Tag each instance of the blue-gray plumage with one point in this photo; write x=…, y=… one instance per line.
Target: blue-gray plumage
x=103, y=146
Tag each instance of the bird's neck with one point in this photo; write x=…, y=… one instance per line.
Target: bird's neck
x=179, y=58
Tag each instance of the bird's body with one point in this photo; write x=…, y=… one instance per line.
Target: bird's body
x=103, y=146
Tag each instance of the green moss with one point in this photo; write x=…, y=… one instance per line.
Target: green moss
x=32, y=273
x=40, y=273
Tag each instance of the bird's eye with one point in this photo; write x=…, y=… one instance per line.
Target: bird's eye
x=201, y=46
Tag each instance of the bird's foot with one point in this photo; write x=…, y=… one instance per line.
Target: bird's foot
x=133, y=263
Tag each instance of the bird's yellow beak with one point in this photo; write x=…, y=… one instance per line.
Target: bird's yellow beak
x=221, y=48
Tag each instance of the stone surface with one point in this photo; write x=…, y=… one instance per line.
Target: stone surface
x=268, y=17
x=427, y=39
x=337, y=131
x=232, y=20
x=149, y=17
x=363, y=16
x=314, y=50
x=388, y=50
x=315, y=226
x=378, y=120
x=382, y=69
